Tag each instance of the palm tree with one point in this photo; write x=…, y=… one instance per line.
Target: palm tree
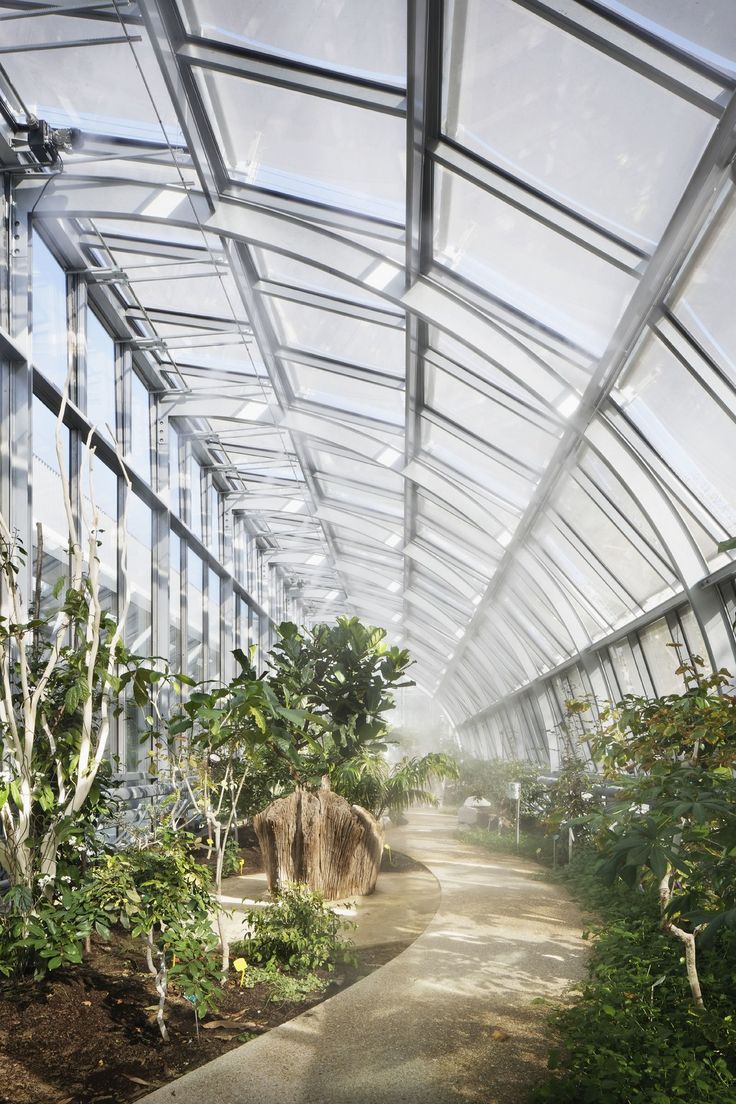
x=370, y=781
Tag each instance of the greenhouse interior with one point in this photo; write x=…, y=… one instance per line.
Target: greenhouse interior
x=368, y=551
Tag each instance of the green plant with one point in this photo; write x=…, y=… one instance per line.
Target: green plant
x=284, y=987
x=297, y=932
x=572, y=799
x=41, y=933
x=489, y=778
x=163, y=897
x=61, y=680
x=674, y=832
x=231, y=858
x=633, y=1037
x=340, y=680
x=211, y=746
x=370, y=781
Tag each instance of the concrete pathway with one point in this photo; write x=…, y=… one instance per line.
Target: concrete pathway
x=455, y=1017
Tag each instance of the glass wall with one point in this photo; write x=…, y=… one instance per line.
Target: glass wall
x=49, y=342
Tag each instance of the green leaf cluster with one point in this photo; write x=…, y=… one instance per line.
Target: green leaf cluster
x=296, y=932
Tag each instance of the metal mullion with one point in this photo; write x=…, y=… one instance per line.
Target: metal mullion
x=296, y=76
x=322, y=300
x=485, y=448
x=620, y=521
x=631, y=60
x=338, y=367
x=319, y=212
x=72, y=44
x=544, y=418
x=532, y=201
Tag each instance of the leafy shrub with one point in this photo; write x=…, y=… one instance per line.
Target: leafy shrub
x=297, y=932
x=231, y=858
x=634, y=1037
x=488, y=778
x=37, y=936
x=163, y=896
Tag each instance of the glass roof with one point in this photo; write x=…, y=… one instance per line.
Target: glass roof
x=443, y=290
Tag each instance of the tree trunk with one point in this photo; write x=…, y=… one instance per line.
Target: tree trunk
x=320, y=839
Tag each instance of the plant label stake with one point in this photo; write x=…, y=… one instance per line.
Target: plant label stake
x=513, y=793
x=193, y=1001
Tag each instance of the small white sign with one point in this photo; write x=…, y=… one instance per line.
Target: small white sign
x=513, y=791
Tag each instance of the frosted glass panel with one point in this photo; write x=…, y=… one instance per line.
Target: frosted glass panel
x=489, y=419
x=309, y=146
x=347, y=393
x=100, y=365
x=670, y=408
x=705, y=305
x=563, y=116
x=527, y=265
x=339, y=337
x=365, y=37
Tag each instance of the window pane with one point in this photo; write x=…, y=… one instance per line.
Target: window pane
x=139, y=624
x=49, y=332
x=598, y=142
x=195, y=497
x=175, y=653
x=100, y=377
x=140, y=428
x=214, y=601
x=365, y=37
x=527, y=265
x=309, y=146
x=195, y=616
x=338, y=336
x=347, y=393
x=662, y=660
x=705, y=304
x=48, y=503
x=174, y=474
x=105, y=488
x=670, y=408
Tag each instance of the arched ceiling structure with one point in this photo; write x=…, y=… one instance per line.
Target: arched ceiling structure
x=443, y=286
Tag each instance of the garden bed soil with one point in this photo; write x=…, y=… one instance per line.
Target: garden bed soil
x=88, y=1035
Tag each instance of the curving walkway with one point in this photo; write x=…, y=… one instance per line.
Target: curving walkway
x=420, y=1030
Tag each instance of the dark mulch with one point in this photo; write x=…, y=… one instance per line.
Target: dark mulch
x=88, y=1035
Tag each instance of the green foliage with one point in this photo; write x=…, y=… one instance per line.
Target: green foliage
x=488, y=778
x=152, y=889
x=231, y=858
x=370, y=781
x=297, y=932
x=663, y=881
x=65, y=675
x=335, y=684
x=284, y=988
x=163, y=896
x=697, y=724
x=633, y=1036
x=572, y=799
x=42, y=934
